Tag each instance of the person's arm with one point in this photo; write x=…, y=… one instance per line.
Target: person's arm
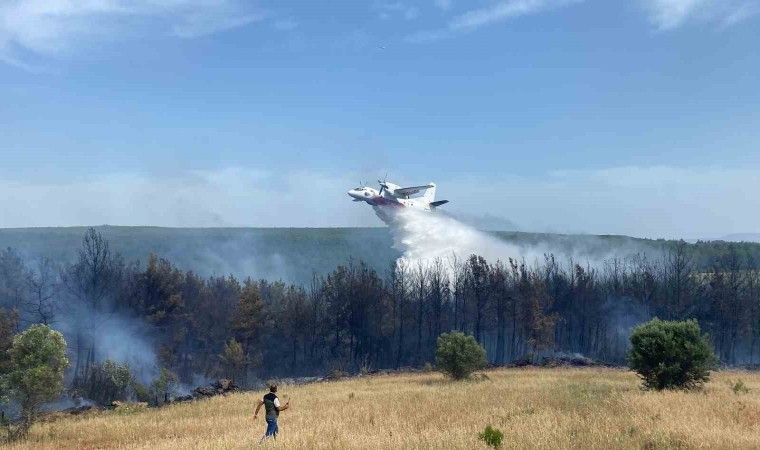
x=258, y=407
x=282, y=408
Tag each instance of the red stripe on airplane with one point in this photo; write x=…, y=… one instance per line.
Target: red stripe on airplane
x=380, y=201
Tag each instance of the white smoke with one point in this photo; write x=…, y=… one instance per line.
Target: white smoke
x=119, y=338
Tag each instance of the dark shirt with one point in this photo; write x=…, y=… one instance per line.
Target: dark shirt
x=271, y=403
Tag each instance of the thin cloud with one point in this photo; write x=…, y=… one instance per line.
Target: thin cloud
x=668, y=14
x=444, y=4
x=7, y=57
x=42, y=28
x=504, y=11
x=496, y=13
x=671, y=14
x=201, y=24
x=741, y=14
x=388, y=10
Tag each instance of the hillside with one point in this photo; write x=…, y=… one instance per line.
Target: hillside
x=293, y=254
x=743, y=237
x=535, y=408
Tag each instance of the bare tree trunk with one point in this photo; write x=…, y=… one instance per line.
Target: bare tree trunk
x=400, y=351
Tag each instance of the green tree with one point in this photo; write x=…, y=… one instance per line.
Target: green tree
x=107, y=382
x=671, y=354
x=459, y=355
x=249, y=320
x=8, y=323
x=249, y=315
x=234, y=359
x=38, y=358
x=163, y=386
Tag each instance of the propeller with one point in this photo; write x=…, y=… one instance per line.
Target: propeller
x=382, y=183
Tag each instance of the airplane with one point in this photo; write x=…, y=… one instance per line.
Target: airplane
x=396, y=196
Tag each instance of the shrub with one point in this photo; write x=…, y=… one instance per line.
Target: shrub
x=739, y=387
x=459, y=355
x=427, y=368
x=337, y=374
x=491, y=436
x=671, y=354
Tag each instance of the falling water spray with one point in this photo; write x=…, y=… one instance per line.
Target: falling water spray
x=425, y=236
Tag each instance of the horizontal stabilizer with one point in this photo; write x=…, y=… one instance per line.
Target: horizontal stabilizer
x=438, y=203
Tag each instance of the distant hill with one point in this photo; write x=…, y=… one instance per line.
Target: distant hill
x=290, y=254
x=293, y=254
x=742, y=237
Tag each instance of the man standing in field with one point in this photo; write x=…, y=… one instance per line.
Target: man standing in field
x=272, y=405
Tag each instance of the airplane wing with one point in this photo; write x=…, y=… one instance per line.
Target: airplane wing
x=411, y=190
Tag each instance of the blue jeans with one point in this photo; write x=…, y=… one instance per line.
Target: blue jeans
x=272, y=428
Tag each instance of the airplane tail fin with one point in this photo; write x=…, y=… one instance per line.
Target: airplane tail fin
x=430, y=193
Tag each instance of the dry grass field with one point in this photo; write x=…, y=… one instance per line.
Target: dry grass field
x=534, y=407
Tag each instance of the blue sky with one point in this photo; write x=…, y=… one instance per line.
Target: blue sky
x=634, y=117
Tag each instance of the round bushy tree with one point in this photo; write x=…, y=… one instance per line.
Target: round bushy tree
x=671, y=354
x=458, y=355
x=38, y=360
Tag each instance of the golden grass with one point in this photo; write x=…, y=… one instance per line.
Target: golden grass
x=534, y=407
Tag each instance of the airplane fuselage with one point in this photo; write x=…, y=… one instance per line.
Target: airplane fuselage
x=376, y=198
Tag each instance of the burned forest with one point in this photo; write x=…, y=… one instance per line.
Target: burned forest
x=164, y=326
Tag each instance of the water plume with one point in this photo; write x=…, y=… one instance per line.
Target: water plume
x=425, y=236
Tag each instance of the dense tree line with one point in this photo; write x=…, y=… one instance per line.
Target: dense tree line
x=356, y=317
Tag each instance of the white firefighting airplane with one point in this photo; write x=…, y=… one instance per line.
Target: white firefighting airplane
x=393, y=195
